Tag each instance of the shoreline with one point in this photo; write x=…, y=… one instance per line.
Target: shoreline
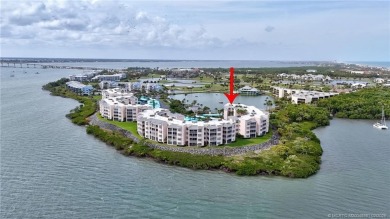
x=281, y=159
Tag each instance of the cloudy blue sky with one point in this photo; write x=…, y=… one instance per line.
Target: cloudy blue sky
x=240, y=30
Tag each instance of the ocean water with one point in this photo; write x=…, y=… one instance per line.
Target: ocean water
x=372, y=64
x=51, y=168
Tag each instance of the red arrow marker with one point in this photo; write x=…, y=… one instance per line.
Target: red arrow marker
x=232, y=95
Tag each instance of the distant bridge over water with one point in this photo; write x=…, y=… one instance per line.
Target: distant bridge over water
x=21, y=64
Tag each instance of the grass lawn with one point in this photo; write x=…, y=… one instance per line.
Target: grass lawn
x=250, y=141
x=97, y=97
x=129, y=126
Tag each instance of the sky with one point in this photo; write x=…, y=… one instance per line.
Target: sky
x=202, y=30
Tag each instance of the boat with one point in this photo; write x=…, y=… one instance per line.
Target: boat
x=382, y=124
x=36, y=73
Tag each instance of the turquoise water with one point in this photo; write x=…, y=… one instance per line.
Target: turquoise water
x=51, y=168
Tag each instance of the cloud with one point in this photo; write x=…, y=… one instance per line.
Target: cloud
x=209, y=29
x=269, y=29
x=74, y=22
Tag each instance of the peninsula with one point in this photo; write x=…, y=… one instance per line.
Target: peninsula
x=238, y=138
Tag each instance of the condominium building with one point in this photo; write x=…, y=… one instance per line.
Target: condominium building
x=310, y=96
x=250, y=121
x=165, y=127
x=114, y=77
x=120, y=106
x=86, y=76
x=79, y=88
x=146, y=86
x=301, y=96
x=108, y=84
x=116, y=92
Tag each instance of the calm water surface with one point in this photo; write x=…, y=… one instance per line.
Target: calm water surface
x=51, y=168
x=183, y=64
x=217, y=100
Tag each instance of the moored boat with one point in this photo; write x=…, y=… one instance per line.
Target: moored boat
x=381, y=124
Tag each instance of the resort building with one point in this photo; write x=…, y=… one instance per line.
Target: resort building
x=146, y=86
x=358, y=85
x=83, y=77
x=116, y=92
x=310, y=96
x=119, y=105
x=301, y=96
x=120, y=108
x=108, y=84
x=79, y=88
x=356, y=72
x=248, y=91
x=174, y=129
x=165, y=127
x=250, y=121
x=305, y=77
x=114, y=77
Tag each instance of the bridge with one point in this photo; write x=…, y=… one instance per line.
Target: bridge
x=22, y=64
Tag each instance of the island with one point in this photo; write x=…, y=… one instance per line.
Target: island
x=135, y=111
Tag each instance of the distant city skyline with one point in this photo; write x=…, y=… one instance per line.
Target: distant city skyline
x=201, y=30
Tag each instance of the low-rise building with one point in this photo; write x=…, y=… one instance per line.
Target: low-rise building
x=83, y=77
x=306, y=77
x=356, y=72
x=79, y=88
x=301, y=96
x=248, y=91
x=379, y=80
x=108, y=84
x=358, y=85
x=146, y=86
x=114, y=77
x=310, y=96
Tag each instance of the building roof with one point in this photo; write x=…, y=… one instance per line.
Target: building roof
x=248, y=88
x=76, y=84
x=164, y=115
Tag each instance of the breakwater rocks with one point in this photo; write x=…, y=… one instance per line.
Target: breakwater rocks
x=214, y=151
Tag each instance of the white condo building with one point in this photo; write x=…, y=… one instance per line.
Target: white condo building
x=120, y=106
x=250, y=121
x=301, y=96
x=165, y=127
x=114, y=77
x=79, y=88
